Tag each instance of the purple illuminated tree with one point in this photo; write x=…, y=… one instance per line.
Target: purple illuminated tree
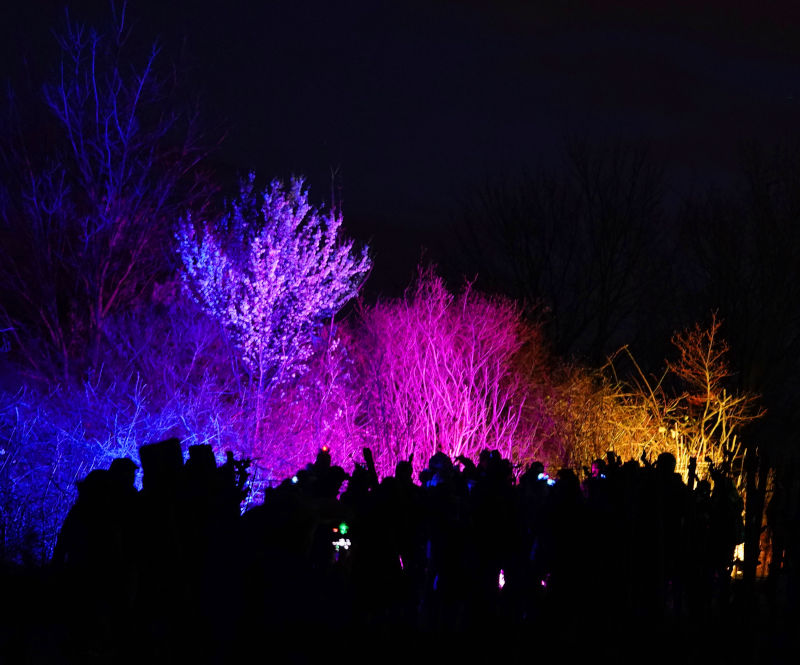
x=270, y=271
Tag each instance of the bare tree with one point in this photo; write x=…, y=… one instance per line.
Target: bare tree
x=87, y=218
x=587, y=243
x=745, y=249
x=714, y=413
x=438, y=372
x=744, y=243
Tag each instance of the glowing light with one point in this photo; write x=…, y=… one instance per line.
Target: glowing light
x=325, y=449
x=737, y=572
x=400, y=558
x=342, y=543
x=545, y=477
x=501, y=580
x=294, y=480
x=344, y=528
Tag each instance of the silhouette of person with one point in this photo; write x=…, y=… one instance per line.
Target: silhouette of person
x=87, y=551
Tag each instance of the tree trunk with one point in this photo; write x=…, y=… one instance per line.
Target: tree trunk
x=756, y=471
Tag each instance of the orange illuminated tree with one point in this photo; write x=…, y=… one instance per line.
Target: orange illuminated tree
x=713, y=415
x=689, y=410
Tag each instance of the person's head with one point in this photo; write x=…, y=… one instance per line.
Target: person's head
x=403, y=470
x=440, y=462
x=94, y=486
x=666, y=463
x=360, y=478
x=424, y=476
x=535, y=469
x=505, y=469
x=323, y=460
x=568, y=482
x=330, y=483
x=440, y=470
x=122, y=472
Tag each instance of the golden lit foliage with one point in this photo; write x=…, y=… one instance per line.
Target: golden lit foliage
x=688, y=410
x=712, y=416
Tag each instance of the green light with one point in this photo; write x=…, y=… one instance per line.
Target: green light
x=343, y=528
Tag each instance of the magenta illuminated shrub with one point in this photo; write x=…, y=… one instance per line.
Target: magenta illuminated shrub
x=439, y=372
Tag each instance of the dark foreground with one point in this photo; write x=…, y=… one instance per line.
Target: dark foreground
x=471, y=565
x=38, y=627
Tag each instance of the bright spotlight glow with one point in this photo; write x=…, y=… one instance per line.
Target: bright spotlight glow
x=342, y=543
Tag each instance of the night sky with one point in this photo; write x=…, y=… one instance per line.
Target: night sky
x=411, y=103
x=403, y=108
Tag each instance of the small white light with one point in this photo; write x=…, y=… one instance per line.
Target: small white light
x=344, y=543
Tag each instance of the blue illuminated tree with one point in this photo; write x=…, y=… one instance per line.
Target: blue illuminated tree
x=86, y=214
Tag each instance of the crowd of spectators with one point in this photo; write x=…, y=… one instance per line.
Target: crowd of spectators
x=468, y=555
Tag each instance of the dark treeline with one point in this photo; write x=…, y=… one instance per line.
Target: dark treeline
x=628, y=562
x=606, y=251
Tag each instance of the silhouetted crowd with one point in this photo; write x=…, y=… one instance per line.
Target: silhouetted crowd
x=337, y=566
